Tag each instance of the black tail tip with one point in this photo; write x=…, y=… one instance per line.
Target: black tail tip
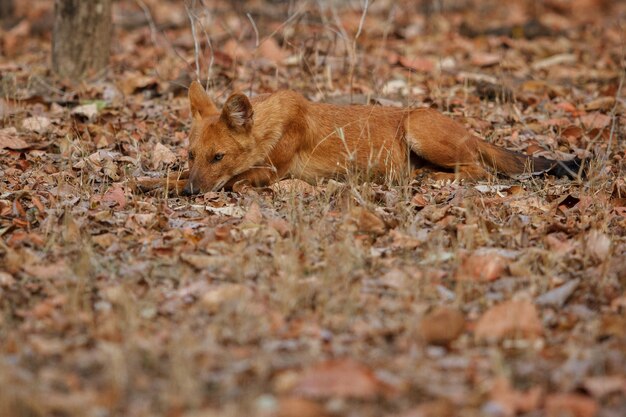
x=572, y=169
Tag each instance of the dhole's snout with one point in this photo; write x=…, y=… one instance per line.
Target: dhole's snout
x=190, y=188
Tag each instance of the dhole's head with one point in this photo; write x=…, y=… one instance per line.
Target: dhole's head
x=220, y=143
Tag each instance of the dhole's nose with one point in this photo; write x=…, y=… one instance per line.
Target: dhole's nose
x=190, y=189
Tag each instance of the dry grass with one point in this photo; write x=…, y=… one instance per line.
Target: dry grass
x=114, y=302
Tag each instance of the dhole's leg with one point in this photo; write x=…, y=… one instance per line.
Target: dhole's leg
x=443, y=142
x=471, y=173
x=257, y=177
x=174, y=182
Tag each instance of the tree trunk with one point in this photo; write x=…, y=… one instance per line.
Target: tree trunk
x=6, y=9
x=81, y=39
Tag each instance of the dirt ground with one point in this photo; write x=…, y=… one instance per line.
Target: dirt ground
x=497, y=298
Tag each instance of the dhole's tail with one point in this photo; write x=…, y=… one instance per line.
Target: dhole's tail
x=515, y=163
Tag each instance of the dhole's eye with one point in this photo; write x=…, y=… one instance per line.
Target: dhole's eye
x=218, y=157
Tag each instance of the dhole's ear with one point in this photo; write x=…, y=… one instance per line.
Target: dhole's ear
x=199, y=101
x=237, y=112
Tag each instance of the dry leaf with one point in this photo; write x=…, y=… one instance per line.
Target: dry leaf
x=485, y=59
x=162, y=155
x=602, y=386
x=37, y=124
x=601, y=103
x=270, y=50
x=481, y=268
x=559, y=295
x=296, y=186
x=404, y=241
x=598, y=244
x=436, y=408
x=216, y=298
x=299, y=407
x=200, y=261
x=253, y=215
x=6, y=279
x=510, y=319
x=339, y=378
x=115, y=195
x=368, y=222
x=574, y=405
x=10, y=140
x=58, y=270
x=418, y=64
x=442, y=326
x=86, y=111
x=595, y=120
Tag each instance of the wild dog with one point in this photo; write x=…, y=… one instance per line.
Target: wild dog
x=280, y=135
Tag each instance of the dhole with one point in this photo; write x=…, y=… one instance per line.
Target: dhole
x=279, y=135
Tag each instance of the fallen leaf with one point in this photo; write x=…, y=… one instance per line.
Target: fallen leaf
x=215, y=298
x=6, y=279
x=201, y=261
x=53, y=271
x=134, y=82
x=104, y=240
x=602, y=386
x=86, y=111
x=559, y=295
x=115, y=195
x=368, y=222
x=228, y=211
x=162, y=155
x=403, y=241
x=491, y=188
x=283, y=227
x=595, y=120
x=481, y=268
x=567, y=107
x=612, y=325
x=299, y=407
x=601, y=103
x=10, y=140
x=296, y=186
x=573, y=405
x=485, y=59
x=253, y=215
x=418, y=200
x=144, y=219
x=598, y=244
x=442, y=326
x=342, y=378
x=435, y=408
x=510, y=319
x=37, y=124
x=558, y=59
x=270, y=50
x=417, y=64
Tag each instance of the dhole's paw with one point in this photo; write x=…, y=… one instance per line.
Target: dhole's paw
x=149, y=185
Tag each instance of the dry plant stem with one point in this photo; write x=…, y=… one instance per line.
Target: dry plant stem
x=256, y=30
x=196, y=43
x=354, y=45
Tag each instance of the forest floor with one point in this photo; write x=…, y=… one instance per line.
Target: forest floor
x=496, y=298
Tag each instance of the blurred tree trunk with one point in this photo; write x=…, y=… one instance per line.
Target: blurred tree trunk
x=81, y=39
x=6, y=9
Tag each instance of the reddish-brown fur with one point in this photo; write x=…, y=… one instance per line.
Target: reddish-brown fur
x=284, y=135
